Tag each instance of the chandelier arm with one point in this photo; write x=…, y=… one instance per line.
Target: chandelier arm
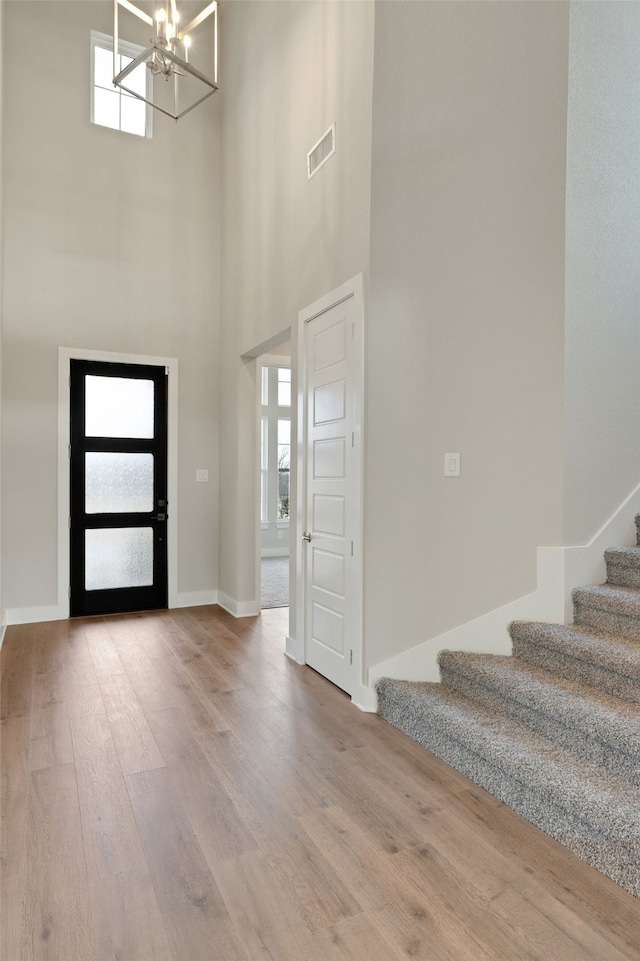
x=131, y=7
x=198, y=20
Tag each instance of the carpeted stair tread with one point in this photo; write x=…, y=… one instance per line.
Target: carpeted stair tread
x=607, y=607
x=578, y=652
x=623, y=566
x=594, y=725
x=586, y=799
x=610, y=597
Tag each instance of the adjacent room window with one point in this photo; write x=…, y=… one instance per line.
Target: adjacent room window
x=111, y=106
x=276, y=445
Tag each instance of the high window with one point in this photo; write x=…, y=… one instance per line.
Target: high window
x=111, y=106
x=276, y=445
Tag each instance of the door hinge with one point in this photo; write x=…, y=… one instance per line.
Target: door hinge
x=353, y=438
x=352, y=548
x=350, y=657
x=69, y=451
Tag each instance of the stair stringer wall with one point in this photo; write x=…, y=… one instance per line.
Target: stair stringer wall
x=559, y=571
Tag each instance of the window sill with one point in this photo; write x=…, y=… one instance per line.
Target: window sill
x=282, y=524
x=265, y=525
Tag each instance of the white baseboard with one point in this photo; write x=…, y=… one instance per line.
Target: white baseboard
x=3, y=627
x=195, y=599
x=365, y=698
x=294, y=650
x=274, y=552
x=238, y=608
x=559, y=570
x=32, y=615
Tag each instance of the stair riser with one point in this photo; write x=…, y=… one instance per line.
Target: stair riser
x=623, y=575
x=597, y=748
x=549, y=814
x=623, y=625
x=573, y=669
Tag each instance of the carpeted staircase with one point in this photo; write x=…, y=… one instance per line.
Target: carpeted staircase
x=554, y=730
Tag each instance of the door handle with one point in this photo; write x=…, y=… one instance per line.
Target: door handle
x=159, y=517
x=306, y=537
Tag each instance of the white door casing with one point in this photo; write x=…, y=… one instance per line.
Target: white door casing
x=330, y=486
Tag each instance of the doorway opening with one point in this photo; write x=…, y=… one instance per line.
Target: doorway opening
x=275, y=474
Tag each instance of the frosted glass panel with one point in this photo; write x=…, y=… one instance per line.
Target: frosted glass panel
x=118, y=557
x=119, y=407
x=116, y=482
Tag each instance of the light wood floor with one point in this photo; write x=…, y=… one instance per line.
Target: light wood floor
x=173, y=789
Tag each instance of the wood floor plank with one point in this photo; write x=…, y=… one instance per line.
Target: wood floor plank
x=112, y=843
x=17, y=673
x=127, y=919
x=50, y=737
x=264, y=917
x=57, y=923
x=218, y=825
x=196, y=920
x=355, y=938
x=134, y=741
x=104, y=654
x=14, y=771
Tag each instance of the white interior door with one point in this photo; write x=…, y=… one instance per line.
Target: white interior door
x=331, y=581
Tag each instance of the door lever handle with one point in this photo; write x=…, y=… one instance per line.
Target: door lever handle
x=159, y=517
x=306, y=537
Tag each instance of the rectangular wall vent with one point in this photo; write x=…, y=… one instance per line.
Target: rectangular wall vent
x=321, y=152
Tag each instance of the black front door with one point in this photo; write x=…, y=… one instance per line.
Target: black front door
x=118, y=487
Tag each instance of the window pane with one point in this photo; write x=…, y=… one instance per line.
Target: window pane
x=119, y=407
x=103, y=68
x=118, y=557
x=264, y=463
x=133, y=115
x=283, y=494
x=284, y=431
x=284, y=387
x=284, y=456
x=117, y=482
x=137, y=79
x=106, y=108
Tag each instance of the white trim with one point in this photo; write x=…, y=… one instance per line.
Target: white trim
x=196, y=599
x=3, y=628
x=274, y=552
x=365, y=699
x=559, y=571
x=31, y=615
x=294, y=650
x=65, y=355
x=238, y=608
x=353, y=288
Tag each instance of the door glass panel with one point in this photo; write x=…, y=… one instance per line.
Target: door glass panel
x=117, y=482
x=118, y=557
x=118, y=407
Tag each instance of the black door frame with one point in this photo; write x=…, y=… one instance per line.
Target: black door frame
x=127, y=598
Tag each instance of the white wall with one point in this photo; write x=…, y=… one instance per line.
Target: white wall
x=602, y=337
x=2, y=610
x=290, y=70
x=464, y=346
x=111, y=243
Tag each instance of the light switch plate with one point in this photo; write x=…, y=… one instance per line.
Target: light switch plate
x=452, y=465
x=202, y=476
